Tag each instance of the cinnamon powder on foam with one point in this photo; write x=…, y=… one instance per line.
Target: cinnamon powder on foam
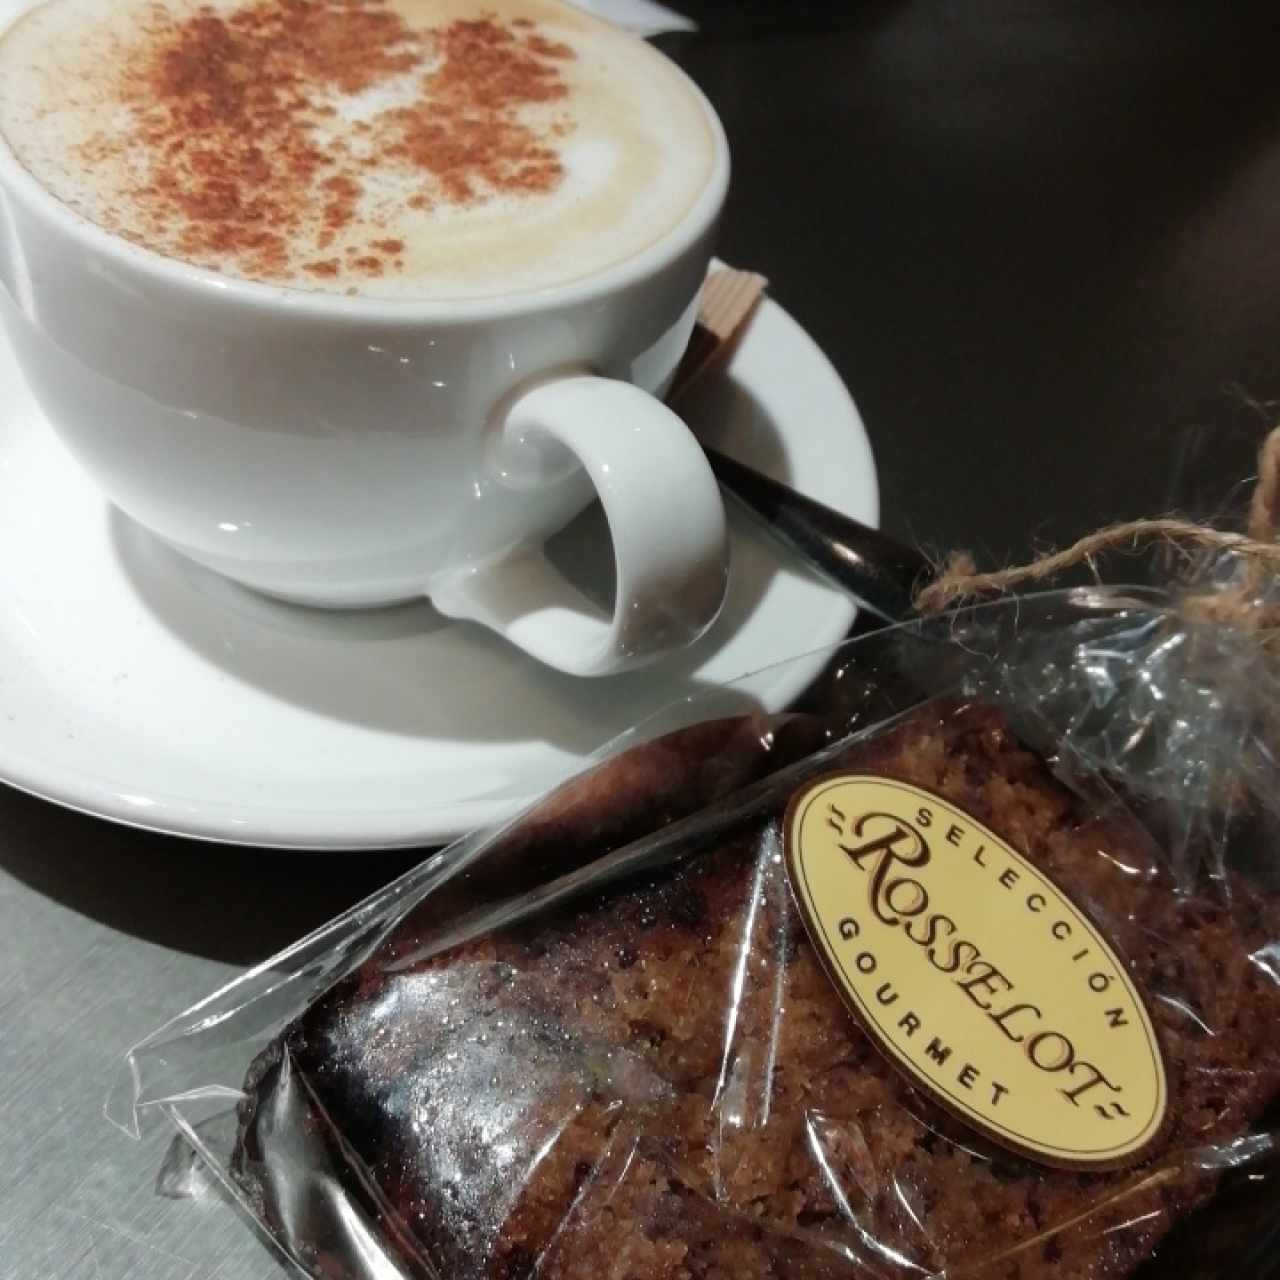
x=248, y=163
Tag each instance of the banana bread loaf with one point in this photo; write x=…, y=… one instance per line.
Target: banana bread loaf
x=660, y=1082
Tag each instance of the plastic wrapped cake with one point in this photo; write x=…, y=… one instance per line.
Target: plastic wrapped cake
x=1031, y=1024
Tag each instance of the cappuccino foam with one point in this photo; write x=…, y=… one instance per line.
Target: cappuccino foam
x=411, y=149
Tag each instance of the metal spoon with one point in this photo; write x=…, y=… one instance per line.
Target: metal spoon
x=877, y=570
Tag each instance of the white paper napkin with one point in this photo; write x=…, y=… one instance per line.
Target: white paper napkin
x=644, y=17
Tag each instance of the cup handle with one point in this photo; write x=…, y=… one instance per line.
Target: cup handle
x=665, y=516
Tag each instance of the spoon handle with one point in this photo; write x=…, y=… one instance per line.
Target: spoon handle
x=880, y=572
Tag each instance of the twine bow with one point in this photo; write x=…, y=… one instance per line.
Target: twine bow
x=959, y=580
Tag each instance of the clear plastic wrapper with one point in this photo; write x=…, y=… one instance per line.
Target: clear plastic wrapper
x=599, y=1042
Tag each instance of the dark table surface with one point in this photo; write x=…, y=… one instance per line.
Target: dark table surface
x=1040, y=240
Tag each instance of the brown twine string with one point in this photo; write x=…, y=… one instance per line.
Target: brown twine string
x=1264, y=506
x=959, y=579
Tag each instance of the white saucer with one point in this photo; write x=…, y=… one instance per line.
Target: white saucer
x=138, y=687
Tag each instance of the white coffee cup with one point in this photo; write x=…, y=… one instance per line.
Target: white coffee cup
x=353, y=452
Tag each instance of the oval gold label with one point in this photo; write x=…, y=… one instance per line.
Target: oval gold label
x=975, y=974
